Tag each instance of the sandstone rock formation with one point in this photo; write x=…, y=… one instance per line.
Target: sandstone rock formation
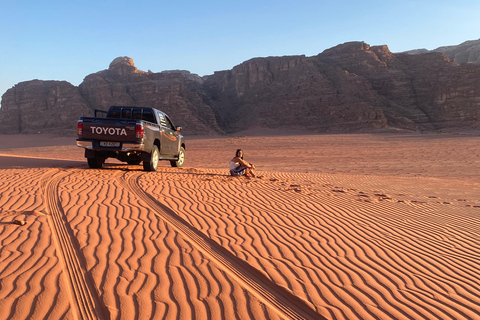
x=466, y=52
x=41, y=106
x=171, y=92
x=350, y=87
x=411, y=88
x=291, y=93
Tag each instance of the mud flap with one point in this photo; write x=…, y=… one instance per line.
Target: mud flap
x=89, y=153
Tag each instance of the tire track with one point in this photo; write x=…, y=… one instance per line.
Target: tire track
x=367, y=260
x=83, y=296
x=278, y=298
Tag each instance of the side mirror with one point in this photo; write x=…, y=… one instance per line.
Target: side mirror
x=178, y=128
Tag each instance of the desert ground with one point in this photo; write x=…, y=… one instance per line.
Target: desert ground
x=346, y=226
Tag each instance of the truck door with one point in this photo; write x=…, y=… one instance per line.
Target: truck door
x=174, y=141
x=166, y=136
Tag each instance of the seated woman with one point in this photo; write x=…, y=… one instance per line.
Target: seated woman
x=239, y=167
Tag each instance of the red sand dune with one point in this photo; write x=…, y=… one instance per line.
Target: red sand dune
x=383, y=226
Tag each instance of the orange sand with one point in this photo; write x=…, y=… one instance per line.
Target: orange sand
x=383, y=226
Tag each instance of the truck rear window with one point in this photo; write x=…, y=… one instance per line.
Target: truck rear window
x=114, y=113
x=131, y=113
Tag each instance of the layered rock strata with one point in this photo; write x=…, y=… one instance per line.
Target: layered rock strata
x=350, y=87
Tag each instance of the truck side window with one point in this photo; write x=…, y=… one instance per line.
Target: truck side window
x=170, y=124
x=148, y=115
x=161, y=118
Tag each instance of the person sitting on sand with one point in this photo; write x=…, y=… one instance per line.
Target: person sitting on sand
x=239, y=167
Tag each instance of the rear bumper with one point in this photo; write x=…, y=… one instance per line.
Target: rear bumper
x=85, y=144
x=125, y=146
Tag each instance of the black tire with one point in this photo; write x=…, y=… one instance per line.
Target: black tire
x=181, y=159
x=152, y=164
x=96, y=163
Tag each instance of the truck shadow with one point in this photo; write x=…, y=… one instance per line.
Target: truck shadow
x=15, y=162
x=164, y=170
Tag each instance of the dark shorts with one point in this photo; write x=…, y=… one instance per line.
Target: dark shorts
x=240, y=171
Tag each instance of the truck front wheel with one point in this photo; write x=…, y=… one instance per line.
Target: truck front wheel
x=152, y=164
x=96, y=162
x=181, y=159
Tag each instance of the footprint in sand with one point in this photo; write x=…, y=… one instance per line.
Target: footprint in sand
x=418, y=202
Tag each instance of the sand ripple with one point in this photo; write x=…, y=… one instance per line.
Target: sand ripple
x=198, y=244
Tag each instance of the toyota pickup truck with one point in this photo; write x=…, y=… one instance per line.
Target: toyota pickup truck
x=131, y=134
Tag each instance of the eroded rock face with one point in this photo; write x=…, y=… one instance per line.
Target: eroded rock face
x=172, y=92
x=53, y=106
x=466, y=52
x=428, y=89
x=42, y=106
x=123, y=66
x=291, y=93
x=350, y=87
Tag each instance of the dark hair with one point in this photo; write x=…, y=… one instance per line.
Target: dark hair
x=236, y=153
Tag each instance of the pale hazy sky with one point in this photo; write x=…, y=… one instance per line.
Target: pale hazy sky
x=69, y=39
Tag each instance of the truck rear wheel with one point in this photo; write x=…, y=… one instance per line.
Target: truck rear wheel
x=96, y=162
x=181, y=159
x=152, y=164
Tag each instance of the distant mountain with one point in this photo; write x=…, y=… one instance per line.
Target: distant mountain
x=466, y=52
x=55, y=106
x=348, y=88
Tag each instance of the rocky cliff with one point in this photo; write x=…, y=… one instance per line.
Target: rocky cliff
x=429, y=89
x=41, y=106
x=175, y=92
x=54, y=106
x=466, y=52
x=292, y=93
x=350, y=87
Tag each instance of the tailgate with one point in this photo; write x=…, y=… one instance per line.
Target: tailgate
x=109, y=129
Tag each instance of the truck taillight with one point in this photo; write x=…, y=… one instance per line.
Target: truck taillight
x=139, y=131
x=80, y=128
